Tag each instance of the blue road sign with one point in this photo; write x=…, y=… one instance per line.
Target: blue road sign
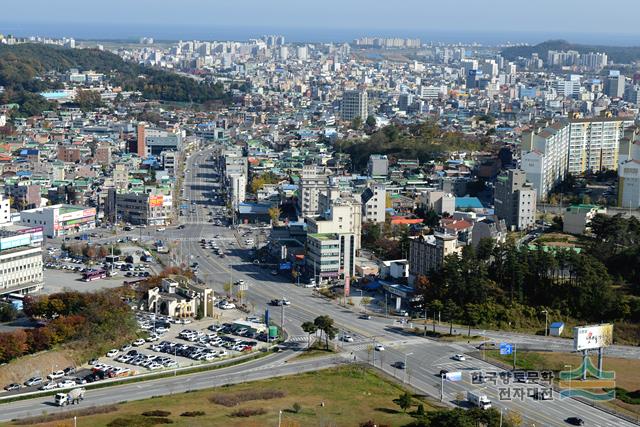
x=506, y=349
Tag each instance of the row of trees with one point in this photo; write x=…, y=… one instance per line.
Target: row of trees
x=96, y=319
x=90, y=251
x=504, y=283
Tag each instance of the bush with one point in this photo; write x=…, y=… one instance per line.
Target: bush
x=245, y=396
x=192, y=414
x=248, y=412
x=630, y=397
x=156, y=413
x=139, y=421
x=297, y=407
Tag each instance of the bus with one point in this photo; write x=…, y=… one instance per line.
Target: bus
x=91, y=275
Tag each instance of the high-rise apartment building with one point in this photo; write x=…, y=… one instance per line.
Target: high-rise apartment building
x=515, y=200
x=355, y=104
x=554, y=149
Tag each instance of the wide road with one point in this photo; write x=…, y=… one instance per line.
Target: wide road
x=271, y=366
x=425, y=357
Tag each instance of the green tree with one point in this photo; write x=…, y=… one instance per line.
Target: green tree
x=356, y=123
x=371, y=121
x=472, y=313
x=405, y=401
x=436, y=307
x=325, y=324
x=310, y=328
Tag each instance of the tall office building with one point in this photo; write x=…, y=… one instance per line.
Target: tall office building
x=615, y=85
x=355, y=104
x=404, y=101
x=515, y=200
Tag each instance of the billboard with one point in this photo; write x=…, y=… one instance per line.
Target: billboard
x=591, y=337
x=156, y=201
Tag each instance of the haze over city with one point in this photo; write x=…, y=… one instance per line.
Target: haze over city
x=460, y=20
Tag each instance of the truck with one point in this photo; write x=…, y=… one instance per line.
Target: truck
x=479, y=400
x=71, y=398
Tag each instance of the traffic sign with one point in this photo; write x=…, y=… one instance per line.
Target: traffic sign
x=453, y=376
x=506, y=349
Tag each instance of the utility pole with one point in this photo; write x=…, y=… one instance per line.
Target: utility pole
x=282, y=317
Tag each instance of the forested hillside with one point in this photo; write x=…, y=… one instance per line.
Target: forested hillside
x=25, y=69
x=618, y=54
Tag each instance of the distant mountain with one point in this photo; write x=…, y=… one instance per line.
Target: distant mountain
x=617, y=54
x=24, y=68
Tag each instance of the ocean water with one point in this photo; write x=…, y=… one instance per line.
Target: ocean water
x=109, y=31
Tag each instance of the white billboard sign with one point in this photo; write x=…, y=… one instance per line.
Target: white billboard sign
x=592, y=337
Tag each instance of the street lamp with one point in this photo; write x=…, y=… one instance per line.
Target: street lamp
x=546, y=322
x=404, y=379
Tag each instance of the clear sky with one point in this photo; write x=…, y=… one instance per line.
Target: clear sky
x=411, y=17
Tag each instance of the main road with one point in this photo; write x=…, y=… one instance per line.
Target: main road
x=425, y=358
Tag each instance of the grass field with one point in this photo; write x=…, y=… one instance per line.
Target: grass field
x=350, y=395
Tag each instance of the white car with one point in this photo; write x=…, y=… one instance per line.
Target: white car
x=55, y=375
x=460, y=357
x=51, y=385
x=126, y=347
x=113, y=352
x=228, y=306
x=286, y=301
x=347, y=338
x=66, y=383
x=160, y=229
x=138, y=342
x=379, y=347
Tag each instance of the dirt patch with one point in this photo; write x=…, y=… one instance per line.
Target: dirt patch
x=41, y=364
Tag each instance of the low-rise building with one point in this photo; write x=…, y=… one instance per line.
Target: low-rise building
x=330, y=256
x=143, y=208
x=20, y=262
x=60, y=220
x=577, y=218
x=427, y=253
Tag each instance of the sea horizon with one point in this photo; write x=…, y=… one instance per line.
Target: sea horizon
x=122, y=32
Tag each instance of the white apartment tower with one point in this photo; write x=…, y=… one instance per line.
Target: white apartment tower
x=314, y=181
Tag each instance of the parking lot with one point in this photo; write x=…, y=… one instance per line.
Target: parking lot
x=173, y=344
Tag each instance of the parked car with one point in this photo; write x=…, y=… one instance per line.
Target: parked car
x=51, y=385
x=13, y=387
x=33, y=381
x=55, y=375
x=113, y=352
x=139, y=342
x=66, y=383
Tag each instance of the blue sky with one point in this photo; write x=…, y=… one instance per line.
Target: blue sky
x=410, y=17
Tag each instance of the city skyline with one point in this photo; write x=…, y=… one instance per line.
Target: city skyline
x=462, y=21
